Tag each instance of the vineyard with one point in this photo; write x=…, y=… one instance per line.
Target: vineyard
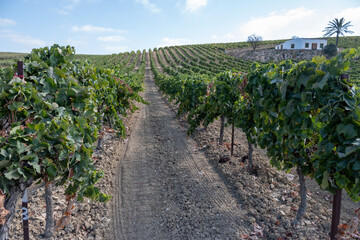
x=59, y=114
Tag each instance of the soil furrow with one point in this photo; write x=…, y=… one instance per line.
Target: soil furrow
x=165, y=188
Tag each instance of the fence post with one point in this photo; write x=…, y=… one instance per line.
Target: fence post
x=336, y=210
x=20, y=69
x=25, y=215
x=335, y=214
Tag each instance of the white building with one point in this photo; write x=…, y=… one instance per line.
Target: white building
x=303, y=43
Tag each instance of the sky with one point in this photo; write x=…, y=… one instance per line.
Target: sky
x=114, y=26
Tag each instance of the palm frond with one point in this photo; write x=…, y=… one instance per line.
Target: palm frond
x=338, y=27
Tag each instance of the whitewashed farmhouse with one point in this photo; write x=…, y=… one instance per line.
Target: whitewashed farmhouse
x=303, y=44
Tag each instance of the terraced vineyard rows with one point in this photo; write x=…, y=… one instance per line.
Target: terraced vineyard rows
x=191, y=59
x=205, y=84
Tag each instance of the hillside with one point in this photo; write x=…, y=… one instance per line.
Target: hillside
x=7, y=58
x=204, y=58
x=213, y=58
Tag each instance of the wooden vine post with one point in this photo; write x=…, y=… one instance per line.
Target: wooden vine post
x=335, y=219
x=336, y=209
x=20, y=69
x=25, y=210
x=25, y=215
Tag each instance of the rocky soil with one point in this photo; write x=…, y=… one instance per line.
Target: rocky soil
x=270, y=197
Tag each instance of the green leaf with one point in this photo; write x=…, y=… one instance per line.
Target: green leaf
x=15, y=106
x=40, y=127
x=356, y=166
x=341, y=181
x=283, y=89
x=274, y=114
x=289, y=108
x=303, y=79
x=63, y=155
x=350, y=150
x=13, y=174
x=3, y=95
x=341, y=155
x=356, y=142
x=35, y=165
x=348, y=130
x=15, y=130
x=21, y=147
x=319, y=59
x=325, y=181
x=51, y=171
x=4, y=153
x=5, y=163
x=351, y=102
x=323, y=81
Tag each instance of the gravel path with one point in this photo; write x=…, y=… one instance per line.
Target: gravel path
x=165, y=188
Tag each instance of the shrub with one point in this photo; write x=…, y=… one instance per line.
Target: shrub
x=330, y=50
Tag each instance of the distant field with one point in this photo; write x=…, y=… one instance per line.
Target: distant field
x=8, y=58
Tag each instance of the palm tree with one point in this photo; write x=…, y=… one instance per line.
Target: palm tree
x=337, y=26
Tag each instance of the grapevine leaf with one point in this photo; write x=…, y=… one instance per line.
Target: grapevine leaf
x=35, y=164
x=3, y=95
x=347, y=130
x=341, y=181
x=4, y=163
x=351, y=102
x=289, y=108
x=4, y=153
x=51, y=171
x=323, y=81
x=325, y=181
x=21, y=147
x=12, y=174
x=356, y=166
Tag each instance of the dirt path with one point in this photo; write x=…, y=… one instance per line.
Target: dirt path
x=165, y=188
x=138, y=61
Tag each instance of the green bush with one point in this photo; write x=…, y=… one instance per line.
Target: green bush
x=330, y=50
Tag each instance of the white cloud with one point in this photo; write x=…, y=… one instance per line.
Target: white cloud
x=115, y=38
x=195, y=5
x=283, y=25
x=166, y=41
x=6, y=22
x=95, y=29
x=350, y=14
x=151, y=6
x=26, y=40
x=302, y=22
x=69, y=6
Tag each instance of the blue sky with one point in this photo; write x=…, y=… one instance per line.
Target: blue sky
x=113, y=26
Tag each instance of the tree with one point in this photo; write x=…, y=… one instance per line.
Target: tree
x=339, y=27
x=254, y=40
